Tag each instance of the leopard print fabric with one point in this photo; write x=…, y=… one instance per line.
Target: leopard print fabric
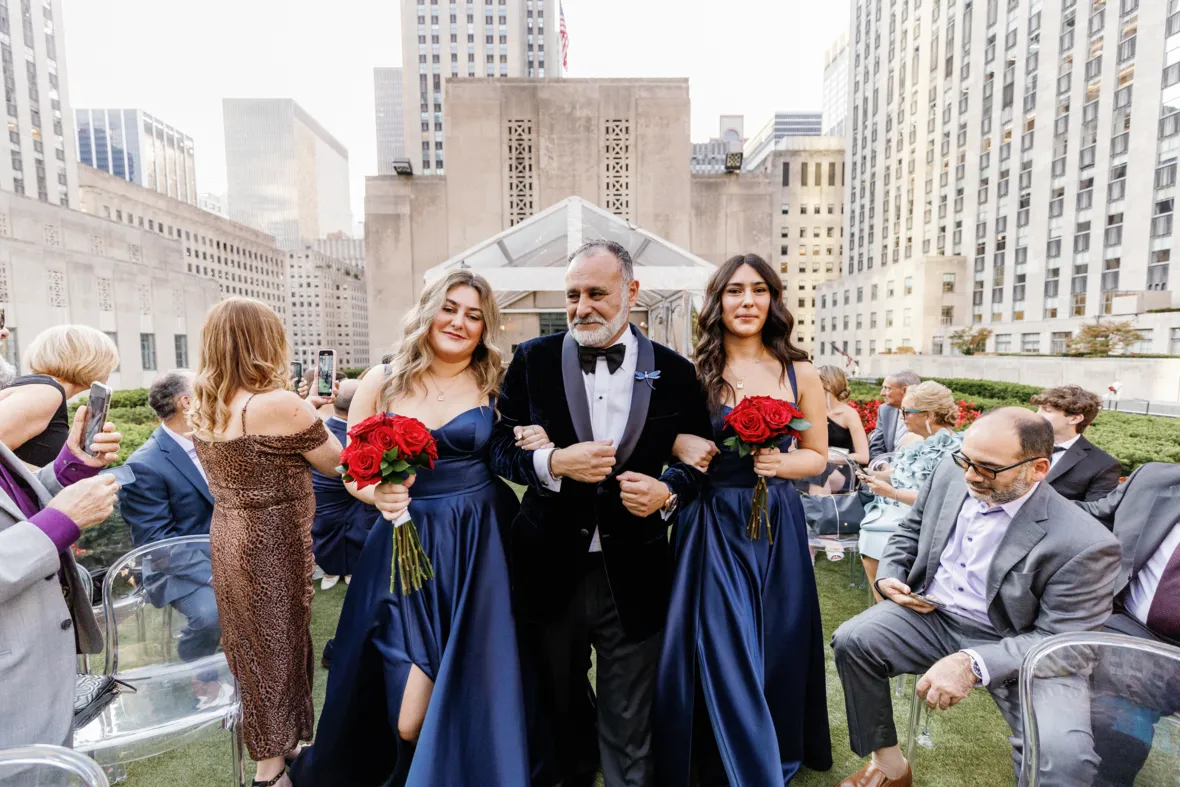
x=262, y=566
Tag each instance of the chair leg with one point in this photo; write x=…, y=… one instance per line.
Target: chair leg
x=915, y=720
x=237, y=750
x=899, y=684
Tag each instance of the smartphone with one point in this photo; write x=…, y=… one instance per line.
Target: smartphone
x=326, y=371
x=296, y=374
x=97, y=407
x=931, y=601
x=1, y=319
x=123, y=474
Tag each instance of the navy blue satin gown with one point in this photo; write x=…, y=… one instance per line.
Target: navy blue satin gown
x=743, y=640
x=342, y=523
x=458, y=630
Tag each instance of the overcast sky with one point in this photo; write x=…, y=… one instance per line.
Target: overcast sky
x=178, y=59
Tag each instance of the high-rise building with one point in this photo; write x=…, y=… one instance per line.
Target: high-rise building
x=515, y=38
x=708, y=158
x=238, y=259
x=43, y=160
x=1012, y=166
x=288, y=177
x=329, y=306
x=836, y=87
x=783, y=124
x=390, y=112
x=213, y=203
x=139, y=148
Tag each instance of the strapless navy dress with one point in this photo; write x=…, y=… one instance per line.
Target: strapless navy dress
x=458, y=630
x=740, y=693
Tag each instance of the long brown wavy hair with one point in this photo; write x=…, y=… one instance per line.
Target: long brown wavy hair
x=709, y=353
x=243, y=347
x=415, y=352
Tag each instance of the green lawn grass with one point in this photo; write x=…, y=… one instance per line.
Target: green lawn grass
x=970, y=744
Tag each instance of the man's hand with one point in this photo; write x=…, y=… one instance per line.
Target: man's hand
x=88, y=501
x=948, y=681
x=899, y=593
x=695, y=451
x=392, y=500
x=641, y=494
x=105, y=445
x=531, y=438
x=589, y=463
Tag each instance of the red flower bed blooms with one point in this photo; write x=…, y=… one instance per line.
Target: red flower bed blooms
x=968, y=412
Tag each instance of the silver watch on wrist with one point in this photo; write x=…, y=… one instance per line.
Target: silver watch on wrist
x=669, y=506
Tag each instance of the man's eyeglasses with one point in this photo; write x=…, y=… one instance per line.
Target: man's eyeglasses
x=983, y=470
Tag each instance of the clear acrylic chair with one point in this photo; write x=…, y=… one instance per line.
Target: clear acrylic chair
x=183, y=687
x=87, y=587
x=1129, y=692
x=48, y=766
x=833, y=488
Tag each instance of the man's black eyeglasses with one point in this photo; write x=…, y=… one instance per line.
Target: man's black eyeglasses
x=983, y=470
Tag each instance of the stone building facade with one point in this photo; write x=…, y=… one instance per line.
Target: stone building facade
x=329, y=310
x=63, y=266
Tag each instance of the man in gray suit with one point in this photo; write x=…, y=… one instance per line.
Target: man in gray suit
x=1144, y=514
x=1008, y=562
x=890, y=427
x=45, y=615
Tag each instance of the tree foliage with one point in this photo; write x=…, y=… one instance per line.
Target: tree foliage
x=970, y=341
x=1104, y=338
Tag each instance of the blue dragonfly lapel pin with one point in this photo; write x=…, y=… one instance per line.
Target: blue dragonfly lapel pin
x=648, y=377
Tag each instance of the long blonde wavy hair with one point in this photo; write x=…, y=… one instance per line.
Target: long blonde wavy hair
x=243, y=347
x=415, y=353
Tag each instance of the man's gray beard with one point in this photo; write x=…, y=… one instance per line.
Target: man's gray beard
x=603, y=334
x=997, y=497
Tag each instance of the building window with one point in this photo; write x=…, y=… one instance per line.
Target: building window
x=948, y=315
x=937, y=345
x=552, y=322
x=1003, y=342
x=147, y=351
x=181, y=343
x=1030, y=343
x=787, y=174
x=1144, y=346
x=1174, y=343
x=803, y=174
x=1058, y=342
x=948, y=282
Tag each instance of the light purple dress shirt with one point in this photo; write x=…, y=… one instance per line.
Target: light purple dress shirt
x=961, y=579
x=60, y=529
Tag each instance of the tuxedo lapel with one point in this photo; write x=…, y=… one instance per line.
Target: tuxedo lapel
x=640, y=399
x=575, y=390
x=179, y=459
x=1076, y=453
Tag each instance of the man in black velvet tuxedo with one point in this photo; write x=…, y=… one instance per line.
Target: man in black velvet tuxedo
x=588, y=554
x=1080, y=470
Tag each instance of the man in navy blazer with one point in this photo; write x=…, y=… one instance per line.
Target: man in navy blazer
x=170, y=497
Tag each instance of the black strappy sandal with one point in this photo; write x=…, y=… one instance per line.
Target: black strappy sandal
x=272, y=782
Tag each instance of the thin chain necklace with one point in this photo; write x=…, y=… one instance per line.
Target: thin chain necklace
x=741, y=381
x=442, y=394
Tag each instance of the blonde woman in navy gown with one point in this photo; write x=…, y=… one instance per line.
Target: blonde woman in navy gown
x=740, y=696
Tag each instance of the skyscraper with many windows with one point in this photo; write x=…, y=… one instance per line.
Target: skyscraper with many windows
x=1012, y=166
x=389, y=109
x=141, y=149
x=476, y=38
x=836, y=87
x=43, y=160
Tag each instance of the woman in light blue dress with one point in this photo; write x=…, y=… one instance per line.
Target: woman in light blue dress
x=930, y=414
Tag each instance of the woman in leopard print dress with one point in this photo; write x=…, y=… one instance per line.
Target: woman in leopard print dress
x=257, y=442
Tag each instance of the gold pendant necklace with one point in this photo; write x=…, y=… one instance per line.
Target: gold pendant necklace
x=442, y=395
x=741, y=381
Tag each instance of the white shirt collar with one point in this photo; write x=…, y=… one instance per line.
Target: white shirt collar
x=337, y=418
x=181, y=440
x=1012, y=507
x=1068, y=444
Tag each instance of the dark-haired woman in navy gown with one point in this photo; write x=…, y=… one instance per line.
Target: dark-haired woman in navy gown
x=740, y=697
x=425, y=688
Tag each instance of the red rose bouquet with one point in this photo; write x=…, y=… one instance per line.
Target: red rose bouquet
x=760, y=422
x=388, y=449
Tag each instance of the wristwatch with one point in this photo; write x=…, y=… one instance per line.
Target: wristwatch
x=669, y=506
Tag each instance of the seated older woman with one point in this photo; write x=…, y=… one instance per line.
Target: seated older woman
x=930, y=415
x=65, y=360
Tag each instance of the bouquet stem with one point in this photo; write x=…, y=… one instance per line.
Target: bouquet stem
x=410, y=561
x=758, y=513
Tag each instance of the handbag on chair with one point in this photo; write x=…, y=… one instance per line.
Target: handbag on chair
x=838, y=514
x=92, y=693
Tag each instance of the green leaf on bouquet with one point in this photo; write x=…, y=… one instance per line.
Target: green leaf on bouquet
x=799, y=424
x=744, y=450
x=731, y=443
x=385, y=466
x=400, y=466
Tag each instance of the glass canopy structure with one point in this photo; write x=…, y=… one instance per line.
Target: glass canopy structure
x=526, y=264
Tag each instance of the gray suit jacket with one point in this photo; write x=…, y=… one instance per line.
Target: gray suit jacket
x=1054, y=570
x=39, y=632
x=1141, y=512
x=883, y=438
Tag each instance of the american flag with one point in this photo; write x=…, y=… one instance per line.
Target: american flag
x=565, y=37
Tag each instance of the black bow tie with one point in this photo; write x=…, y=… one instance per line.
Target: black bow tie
x=1059, y=449
x=588, y=357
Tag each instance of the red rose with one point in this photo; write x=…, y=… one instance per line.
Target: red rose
x=412, y=436
x=778, y=415
x=367, y=426
x=383, y=438
x=364, y=465
x=748, y=423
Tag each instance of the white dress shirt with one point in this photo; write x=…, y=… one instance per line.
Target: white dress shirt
x=609, y=398
x=961, y=579
x=189, y=448
x=1068, y=444
x=1141, y=592
x=900, y=430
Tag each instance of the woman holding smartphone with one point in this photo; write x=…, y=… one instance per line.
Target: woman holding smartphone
x=257, y=442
